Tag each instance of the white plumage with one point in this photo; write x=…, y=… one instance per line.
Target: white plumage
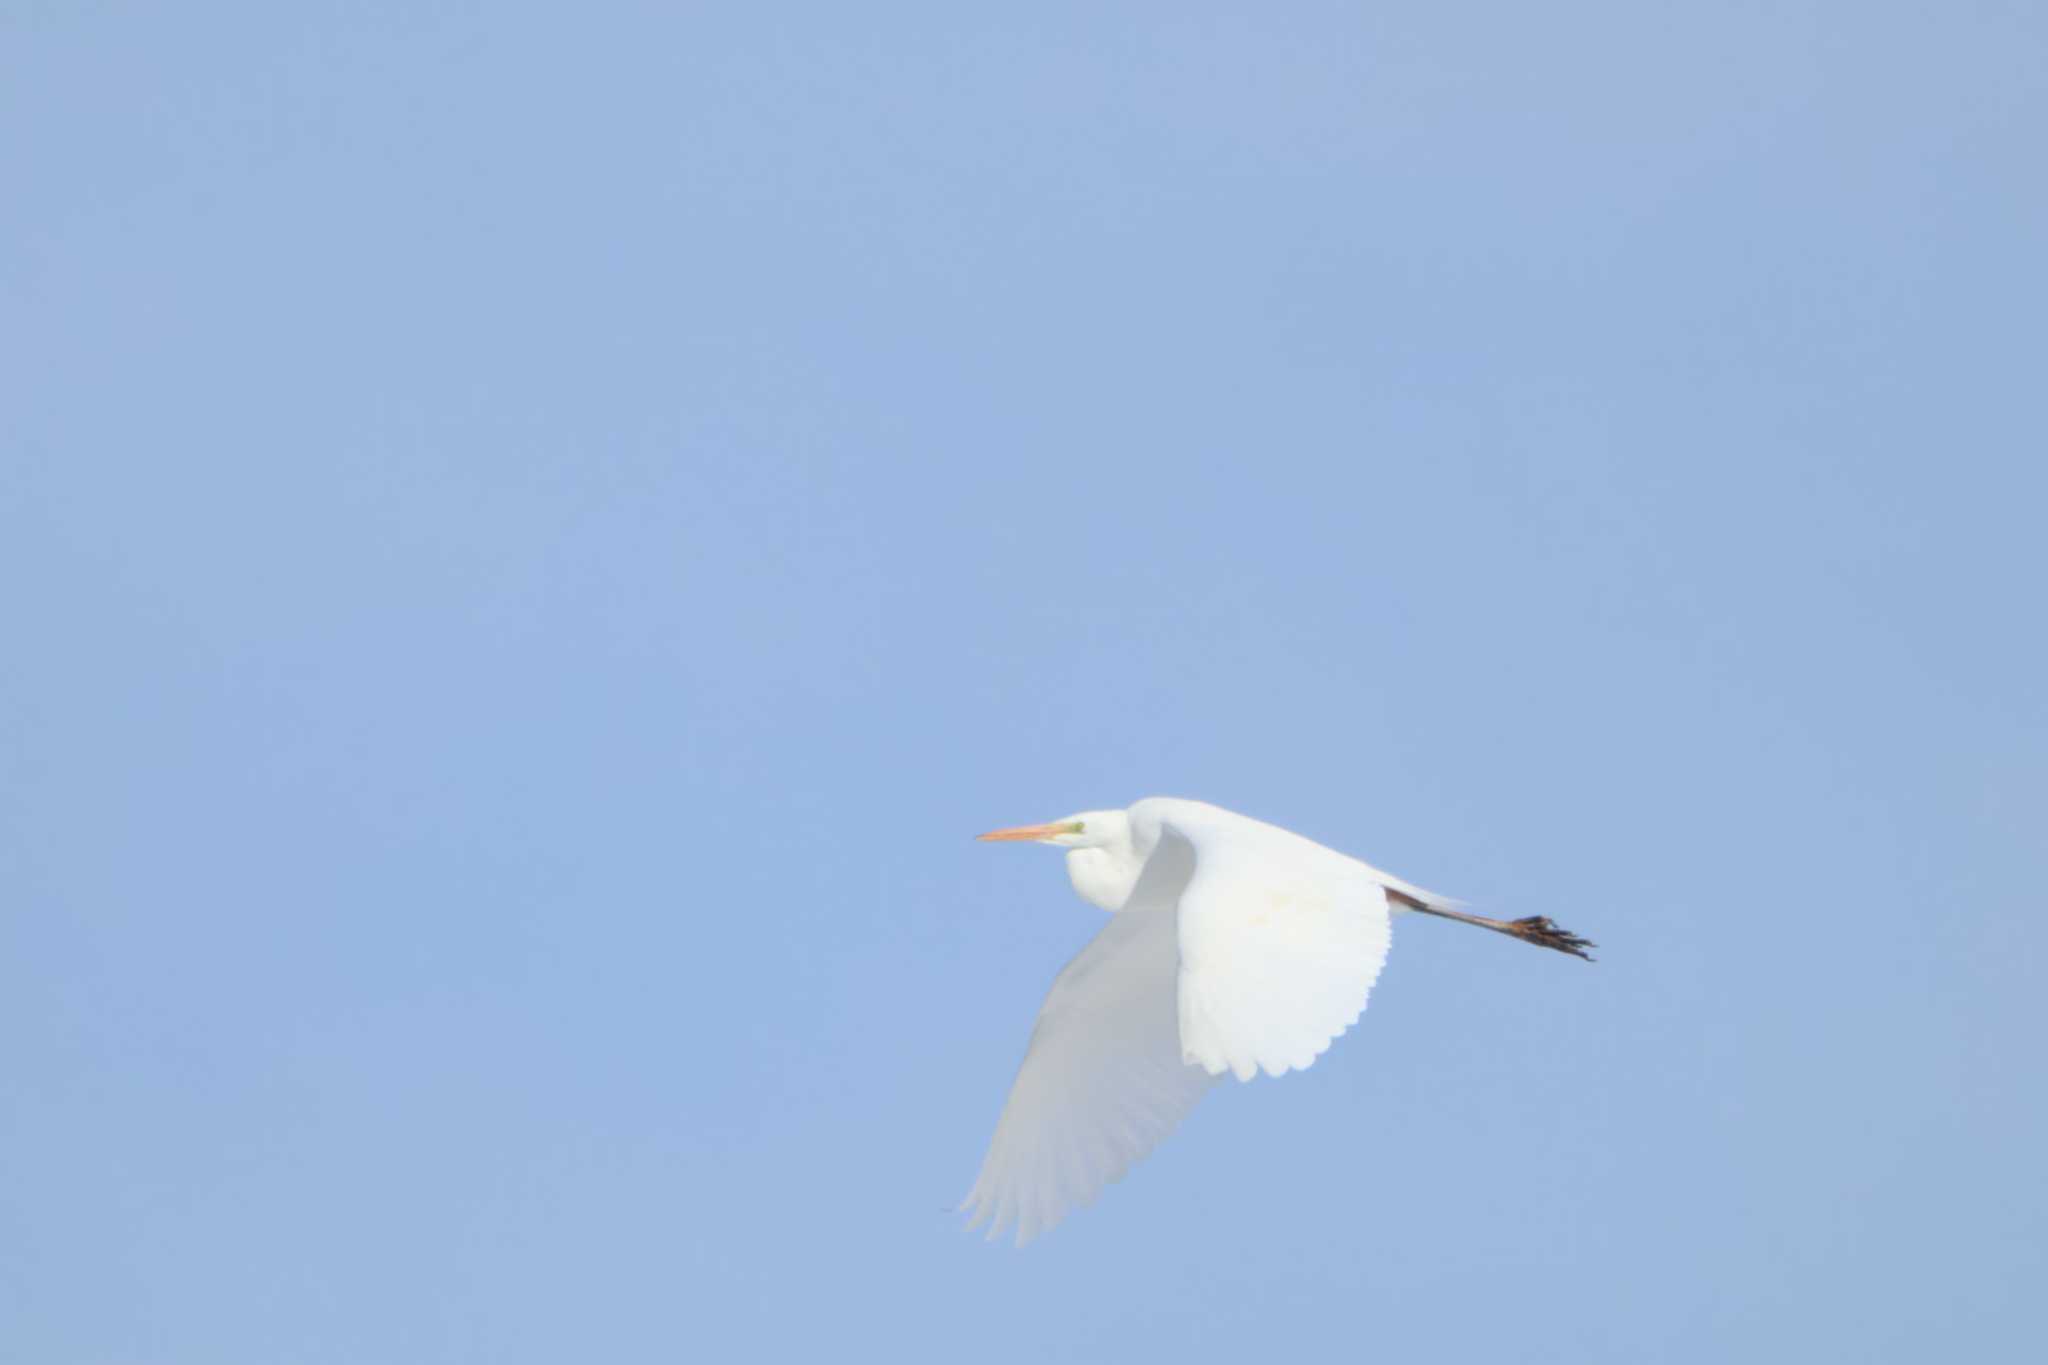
x=1233, y=946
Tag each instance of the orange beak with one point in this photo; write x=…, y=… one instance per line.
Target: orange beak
x=1024, y=833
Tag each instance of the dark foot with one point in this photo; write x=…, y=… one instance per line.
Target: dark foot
x=1541, y=932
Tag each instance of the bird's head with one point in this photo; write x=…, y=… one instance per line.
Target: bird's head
x=1101, y=862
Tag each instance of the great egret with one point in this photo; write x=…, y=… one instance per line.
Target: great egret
x=1232, y=945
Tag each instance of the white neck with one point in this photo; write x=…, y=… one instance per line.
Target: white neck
x=1103, y=876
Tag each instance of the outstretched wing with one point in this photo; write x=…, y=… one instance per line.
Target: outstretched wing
x=1280, y=942
x=1103, y=1080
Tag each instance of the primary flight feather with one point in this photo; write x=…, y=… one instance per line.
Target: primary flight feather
x=1232, y=946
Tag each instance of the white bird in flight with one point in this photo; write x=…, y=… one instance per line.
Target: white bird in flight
x=1232, y=945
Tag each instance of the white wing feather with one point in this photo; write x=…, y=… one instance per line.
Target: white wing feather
x=1103, y=1080
x=1281, y=940
x=1243, y=947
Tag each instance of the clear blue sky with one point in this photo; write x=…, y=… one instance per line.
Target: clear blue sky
x=532, y=535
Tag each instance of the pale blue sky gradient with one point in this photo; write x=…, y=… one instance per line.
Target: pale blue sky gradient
x=531, y=536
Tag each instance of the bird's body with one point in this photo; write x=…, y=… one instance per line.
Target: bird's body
x=1233, y=946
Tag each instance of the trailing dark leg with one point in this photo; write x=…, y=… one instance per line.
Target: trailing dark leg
x=1534, y=929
